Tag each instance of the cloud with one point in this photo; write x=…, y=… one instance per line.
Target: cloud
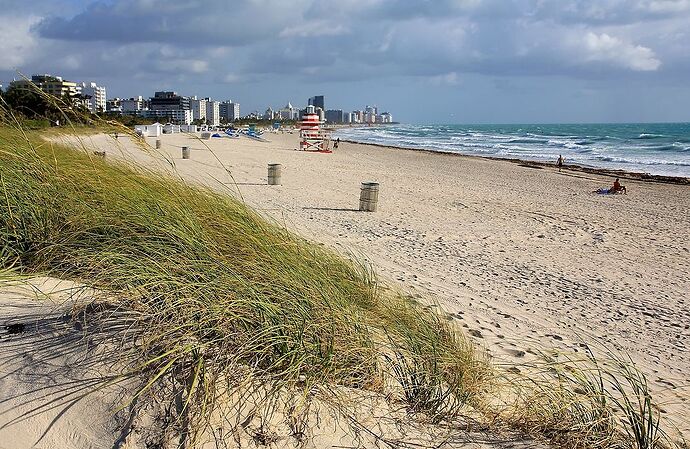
x=314, y=29
x=666, y=6
x=220, y=45
x=231, y=78
x=605, y=48
x=194, y=66
x=447, y=79
x=174, y=21
x=17, y=44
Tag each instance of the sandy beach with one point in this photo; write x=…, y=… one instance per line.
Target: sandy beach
x=528, y=259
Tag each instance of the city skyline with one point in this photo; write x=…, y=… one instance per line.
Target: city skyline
x=451, y=61
x=171, y=107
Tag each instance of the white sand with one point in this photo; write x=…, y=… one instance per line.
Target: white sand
x=529, y=258
x=49, y=374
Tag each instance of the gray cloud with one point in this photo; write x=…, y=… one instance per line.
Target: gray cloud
x=212, y=22
x=218, y=45
x=408, y=38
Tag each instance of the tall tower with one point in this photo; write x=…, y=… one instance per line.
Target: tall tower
x=317, y=101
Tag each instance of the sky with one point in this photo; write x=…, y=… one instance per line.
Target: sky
x=424, y=61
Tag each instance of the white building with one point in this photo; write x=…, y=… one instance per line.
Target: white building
x=199, y=107
x=212, y=112
x=133, y=105
x=288, y=112
x=97, y=94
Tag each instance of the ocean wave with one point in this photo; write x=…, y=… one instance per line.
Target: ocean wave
x=621, y=160
x=665, y=148
x=656, y=150
x=646, y=136
x=523, y=140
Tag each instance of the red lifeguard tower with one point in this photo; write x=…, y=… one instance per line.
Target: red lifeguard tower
x=312, y=137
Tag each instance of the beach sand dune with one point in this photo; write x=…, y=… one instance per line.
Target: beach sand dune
x=526, y=259
x=60, y=387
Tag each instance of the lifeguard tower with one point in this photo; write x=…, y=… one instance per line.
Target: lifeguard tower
x=312, y=137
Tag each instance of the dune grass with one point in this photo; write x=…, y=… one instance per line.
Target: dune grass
x=213, y=289
x=213, y=297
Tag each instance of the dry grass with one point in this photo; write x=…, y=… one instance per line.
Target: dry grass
x=210, y=291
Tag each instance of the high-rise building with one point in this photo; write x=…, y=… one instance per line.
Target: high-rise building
x=53, y=85
x=229, y=111
x=198, y=108
x=317, y=101
x=335, y=116
x=212, y=112
x=97, y=94
x=168, y=105
x=162, y=101
x=288, y=112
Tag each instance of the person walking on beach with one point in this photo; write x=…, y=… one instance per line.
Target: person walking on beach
x=560, y=162
x=337, y=142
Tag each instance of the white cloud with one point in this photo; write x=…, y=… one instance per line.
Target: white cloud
x=666, y=6
x=314, y=29
x=17, y=44
x=447, y=79
x=232, y=78
x=606, y=48
x=195, y=66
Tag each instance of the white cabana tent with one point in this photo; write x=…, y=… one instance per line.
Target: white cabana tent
x=171, y=129
x=153, y=130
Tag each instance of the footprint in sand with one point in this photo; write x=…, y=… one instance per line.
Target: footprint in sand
x=475, y=333
x=515, y=352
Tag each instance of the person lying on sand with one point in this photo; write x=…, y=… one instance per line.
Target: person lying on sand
x=617, y=188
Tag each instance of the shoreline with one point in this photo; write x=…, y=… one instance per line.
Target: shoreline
x=620, y=173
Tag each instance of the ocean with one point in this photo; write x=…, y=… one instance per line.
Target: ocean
x=655, y=148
